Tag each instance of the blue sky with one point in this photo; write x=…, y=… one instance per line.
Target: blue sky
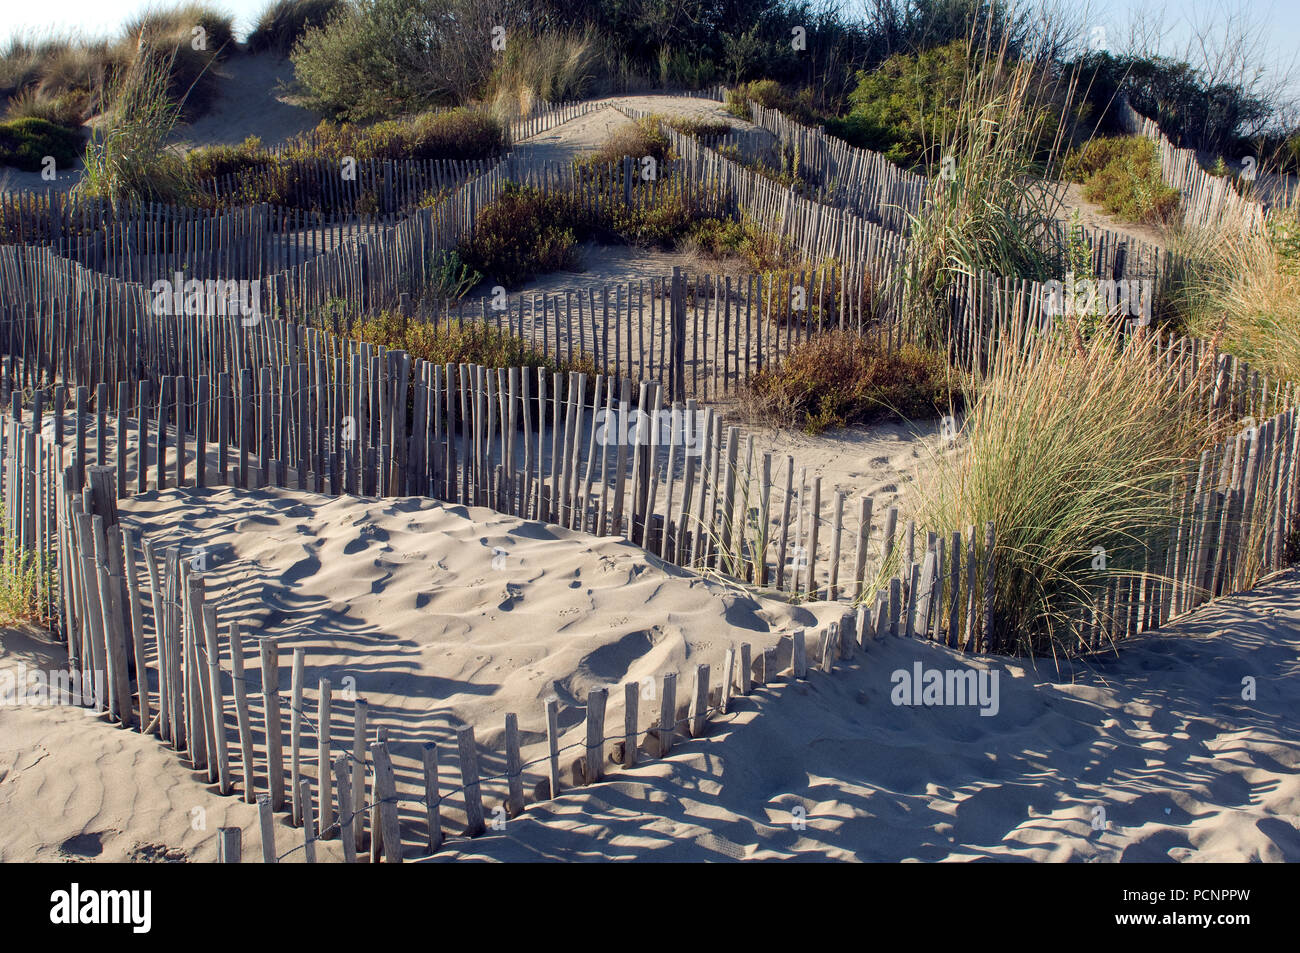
x=1281, y=18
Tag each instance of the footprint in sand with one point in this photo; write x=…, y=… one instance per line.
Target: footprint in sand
x=514, y=594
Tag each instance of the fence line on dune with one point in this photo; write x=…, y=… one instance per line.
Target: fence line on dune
x=284, y=405
x=1205, y=201
x=80, y=328
x=63, y=519
x=146, y=650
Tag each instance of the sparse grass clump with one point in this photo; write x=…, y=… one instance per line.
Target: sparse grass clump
x=789, y=172
x=68, y=109
x=702, y=129
x=1066, y=448
x=20, y=590
x=839, y=378
x=283, y=22
x=24, y=144
x=759, y=248
x=1123, y=176
x=66, y=79
x=474, y=342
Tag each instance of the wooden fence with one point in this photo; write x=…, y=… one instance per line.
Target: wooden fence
x=1206, y=201
x=149, y=649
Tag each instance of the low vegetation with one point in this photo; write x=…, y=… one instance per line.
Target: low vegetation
x=640, y=139
x=455, y=134
x=839, y=378
x=20, y=589
x=25, y=144
x=1123, y=176
x=526, y=232
x=473, y=342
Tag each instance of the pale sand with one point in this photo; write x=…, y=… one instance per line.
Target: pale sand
x=252, y=100
x=589, y=132
x=413, y=601
x=1160, y=739
x=402, y=596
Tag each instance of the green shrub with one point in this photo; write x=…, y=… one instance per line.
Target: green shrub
x=839, y=378
x=283, y=22
x=24, y=144
x=451, y=279
x=902, y=107
x=376, y=59
x=1123, y=176
x=524, y=233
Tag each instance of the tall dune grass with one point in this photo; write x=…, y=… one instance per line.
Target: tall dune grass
x=1243, y=289
x=128, y=158
x=1069, y=447
x=556, y=66
x=988, y=208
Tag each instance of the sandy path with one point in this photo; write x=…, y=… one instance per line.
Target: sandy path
x=249, y=102
x=589, y=132
x=1158, y=739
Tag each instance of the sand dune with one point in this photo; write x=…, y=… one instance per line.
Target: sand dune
x=1159, y=739
x=445, y=615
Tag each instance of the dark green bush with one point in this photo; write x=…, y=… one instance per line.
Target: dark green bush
x=24, y=144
